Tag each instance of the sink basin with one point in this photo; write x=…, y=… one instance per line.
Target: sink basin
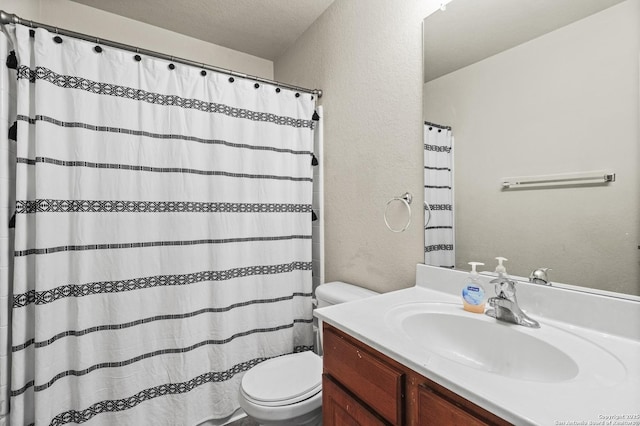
x=447, y=332
x=496, y=348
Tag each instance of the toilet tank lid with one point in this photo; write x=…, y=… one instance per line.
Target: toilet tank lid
x=340, y=292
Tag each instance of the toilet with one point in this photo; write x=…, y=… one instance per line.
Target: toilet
x=287, y=390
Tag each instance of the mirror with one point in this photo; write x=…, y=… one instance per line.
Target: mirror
x=534, y=89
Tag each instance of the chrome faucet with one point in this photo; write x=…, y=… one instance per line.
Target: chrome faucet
x=505, y=304
x=539, y=276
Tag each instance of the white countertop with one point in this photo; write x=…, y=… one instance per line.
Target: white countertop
x=596, y=397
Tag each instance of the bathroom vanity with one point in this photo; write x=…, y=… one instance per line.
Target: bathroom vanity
x=361, y=386
x=415, y=357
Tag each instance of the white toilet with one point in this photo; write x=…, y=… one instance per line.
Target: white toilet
x=287, y=390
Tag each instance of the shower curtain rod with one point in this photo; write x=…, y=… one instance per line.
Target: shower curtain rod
x=10, y=18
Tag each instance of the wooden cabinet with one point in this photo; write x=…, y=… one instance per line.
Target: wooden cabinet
x=358, y=368
x=361, y=386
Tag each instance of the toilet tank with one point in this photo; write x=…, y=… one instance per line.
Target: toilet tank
x=337, y=292
x=334, y=293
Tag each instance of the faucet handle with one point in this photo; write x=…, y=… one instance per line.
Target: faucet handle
x=539, y=276
x=505, y=287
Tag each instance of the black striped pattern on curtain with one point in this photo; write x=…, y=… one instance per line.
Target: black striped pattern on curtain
x=162, y=238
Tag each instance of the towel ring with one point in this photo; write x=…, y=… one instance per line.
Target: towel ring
x=406, y=199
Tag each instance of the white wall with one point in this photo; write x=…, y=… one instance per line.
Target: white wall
x=84, y=19
x=564, y=102
x=367, y=57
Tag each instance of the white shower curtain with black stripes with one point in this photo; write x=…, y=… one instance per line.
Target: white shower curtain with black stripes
x=439, y=245
x=162, y=235
x=7, y=188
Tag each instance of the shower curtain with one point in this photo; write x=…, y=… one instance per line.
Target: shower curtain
x=162, y=235
x=439, y=237
x=7, y=182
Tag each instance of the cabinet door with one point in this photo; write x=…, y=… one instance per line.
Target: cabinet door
x=435, y=409
x=363, y=371
x=341, y=409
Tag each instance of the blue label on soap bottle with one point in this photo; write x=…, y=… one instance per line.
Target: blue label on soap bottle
x=473, y=295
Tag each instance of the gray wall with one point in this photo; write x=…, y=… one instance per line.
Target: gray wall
x=367, y=57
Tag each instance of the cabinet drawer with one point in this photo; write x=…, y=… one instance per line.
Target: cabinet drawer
x=373, y=381
x=437, y=409
x=340, y=409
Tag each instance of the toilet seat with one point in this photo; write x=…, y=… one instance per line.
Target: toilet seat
x=283, y=380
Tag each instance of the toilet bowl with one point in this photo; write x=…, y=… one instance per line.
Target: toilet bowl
x=287, y=390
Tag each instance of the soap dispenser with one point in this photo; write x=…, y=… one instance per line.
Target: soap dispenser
x=500, y=269
x=473, y=299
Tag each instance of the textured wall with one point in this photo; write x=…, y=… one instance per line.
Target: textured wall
x=367, y=57
x=84, y=19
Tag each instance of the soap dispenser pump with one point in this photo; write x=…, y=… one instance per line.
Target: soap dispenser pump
x=473, y=299
x=500, y=269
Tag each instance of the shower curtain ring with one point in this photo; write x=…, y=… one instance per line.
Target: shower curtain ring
x=406, y=199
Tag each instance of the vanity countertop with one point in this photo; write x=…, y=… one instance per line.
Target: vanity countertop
x=609, y=395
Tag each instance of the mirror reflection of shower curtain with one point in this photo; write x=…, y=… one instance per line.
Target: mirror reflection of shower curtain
x=439, y=233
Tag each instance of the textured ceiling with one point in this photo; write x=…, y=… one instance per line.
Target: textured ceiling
x=264, y=28
x=468, y=31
